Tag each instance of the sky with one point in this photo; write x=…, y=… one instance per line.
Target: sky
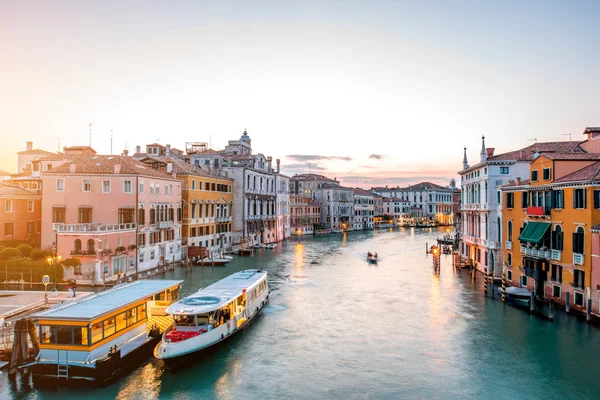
x=369, y=92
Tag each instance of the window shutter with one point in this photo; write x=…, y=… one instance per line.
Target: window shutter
x=559, y=238
x=553, y=199
x=596, y=198
x=582, y=191
x=574, y=198
x=575, y=240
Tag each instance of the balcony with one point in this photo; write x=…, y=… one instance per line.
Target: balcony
x=83, y=253
x=223, y=219
x=577, y=259
x=164, y=224
x=492, y=244
x=526, y=251
x=538, y=211
x=556, y=255
x=92, y=228
x=508, y=245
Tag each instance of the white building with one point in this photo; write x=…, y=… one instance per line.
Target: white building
x=364, y=209
x=282, y=183
x=481, y=210
x=398, y=209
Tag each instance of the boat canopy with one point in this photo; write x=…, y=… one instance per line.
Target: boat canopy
x=100, y=304
x=534, y=232
x=218, y=294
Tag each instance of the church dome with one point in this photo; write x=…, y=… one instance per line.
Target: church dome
x=245, y=136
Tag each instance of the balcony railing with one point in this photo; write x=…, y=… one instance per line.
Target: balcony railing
x=577, y=259
x=92, y=228
x=535, y=252
x=83, y=253
x=223, y=219
x=164, y=224
x=492, y=244
x=556, y=255
x=508, y=245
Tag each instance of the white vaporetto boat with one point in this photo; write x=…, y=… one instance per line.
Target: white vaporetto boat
x=214, y=313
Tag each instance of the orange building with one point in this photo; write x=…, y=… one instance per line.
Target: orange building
x=546, y=227
x=20, y=213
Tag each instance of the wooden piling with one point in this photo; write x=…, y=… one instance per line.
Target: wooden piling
x=485, y=283
x=531, y=302
x=504, y=288
x=588, y=311
x=492, y=283
x=551, y=310
x=567, y=296
x=16, y=350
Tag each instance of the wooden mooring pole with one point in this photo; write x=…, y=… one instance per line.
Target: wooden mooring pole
x=504, y=288
x=567, y=296
x=588, y=311
x=551, y=310
x=531, y=302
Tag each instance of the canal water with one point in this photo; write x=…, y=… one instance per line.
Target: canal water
x=337, y=327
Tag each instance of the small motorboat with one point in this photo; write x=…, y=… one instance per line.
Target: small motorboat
x=372, y=257
x=271, y=245
x=257, y=246
x=219, y=260
x=519, y=296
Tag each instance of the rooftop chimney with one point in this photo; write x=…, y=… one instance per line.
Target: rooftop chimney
x=490, y=151
x=117, y=168
x=483, y=155
x=168, y=150
x=138, y=149
x=29, y=146
x=278, y=161
x=72, y=168
x=269, y=162
x=518, y=180
x=125, y=152
x=465, y=162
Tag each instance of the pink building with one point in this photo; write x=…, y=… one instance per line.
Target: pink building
x=118, y=216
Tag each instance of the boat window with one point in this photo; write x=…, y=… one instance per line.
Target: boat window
x=160, y=296
x=80, y=335
x=64, y=334
x=184, y=320
x=121, y=321
x=131, y=316
x=174, y=294
x=46, y=334
x=109, y=327
x=96, y=332
x=141, y=312
x=203, y=319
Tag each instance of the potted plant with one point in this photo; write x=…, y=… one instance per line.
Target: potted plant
x=120, y=249
x=132, y=247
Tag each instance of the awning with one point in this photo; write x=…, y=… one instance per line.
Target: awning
x=534, y=232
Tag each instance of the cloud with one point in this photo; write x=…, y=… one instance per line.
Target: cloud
x=302, y=168
x=310, y=157
x=369, y=166
x=376, y=156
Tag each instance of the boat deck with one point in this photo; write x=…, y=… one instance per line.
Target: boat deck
x=162, y=321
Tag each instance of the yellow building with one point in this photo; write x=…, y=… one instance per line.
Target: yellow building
x=207, y=204
x=546, y=224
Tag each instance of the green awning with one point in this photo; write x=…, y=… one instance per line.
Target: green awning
x=534, y=232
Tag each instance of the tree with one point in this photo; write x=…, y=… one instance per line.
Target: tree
x=9, y=254
x=24, y=249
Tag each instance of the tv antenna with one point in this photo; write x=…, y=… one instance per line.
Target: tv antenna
x=567, y=134
x=534, y=140
x=111, y=137
x=58, y=144
x=90, y=124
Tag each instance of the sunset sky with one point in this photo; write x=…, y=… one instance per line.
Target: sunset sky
x=368, y=92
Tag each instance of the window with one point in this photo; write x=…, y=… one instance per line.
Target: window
x=141, y=187
x=8, y=229
x=141, y=217
x=524, y=199
x=523, y=280
x=109, y=327
x=97, y=332
x=90, y=246
x=578, y=240
x=557, y=238
x=534, y=175
x=556, y=291
x=579, y=198
x=509, y=275
x=509, y=259
x=510, y=200
x=557, y=199
x=509, y=231
x=8, y=205
x=557, y=273
x=166, y=189
x=60, y=185
x=59, y=214
x=127, y=186
x=106, y=187
x=504, y=171
x=578, y=278
x=546, y=174
x=85, y=215
x=596, y=199
x=125, y=215
x=579, y=299
x=30, y=205
x=141, y=257
x=86, y=185
x=157, y=189
x=30, y=228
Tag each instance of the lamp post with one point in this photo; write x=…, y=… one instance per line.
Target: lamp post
x=45, y=281
x=54, y=261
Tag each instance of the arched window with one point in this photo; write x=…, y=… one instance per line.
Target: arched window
x=261, y=187
x=105, y=267
x=77, y=246
x=131, y=261
x=90, y=246
x=193, y=185
x=255, y=183
x=557, y=238
x=152, y=215
x=141, y=216
x=578, y=240
x=509, y=231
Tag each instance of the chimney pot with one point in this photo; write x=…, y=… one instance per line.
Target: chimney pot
x=125, y=152
x=278, y=161
x=29, y=146
x=490, y=151
x=518, y=180
x=138, y=149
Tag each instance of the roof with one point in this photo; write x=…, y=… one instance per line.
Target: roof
x=328, y=185
x=595, y=228
x=594, y=130
x=218, y=294
x=572, y=156
x=156, y=144
x=78, y=148
x=105, y=165
x=589, y=173
x=526, y=153
x=514, y=183
x=7, y=189
x=99, y=304
x=35, y=151
x=181, y=167
x=362, y=192
x=4, y=173
x=424, y=186
x=312, y=177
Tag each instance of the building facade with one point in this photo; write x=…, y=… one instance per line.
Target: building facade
x=399, y=210
x=364, y=210
x=20, y=213
x=118, y=216
x=282, y=183
x=305, y=215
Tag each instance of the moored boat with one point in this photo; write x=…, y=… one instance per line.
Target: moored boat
x=257, y=246
x=213, y=314
x=216, y=261
x=100, y=336
x=271, y=245
x=519, y=296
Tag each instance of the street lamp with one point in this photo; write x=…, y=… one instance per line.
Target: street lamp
x=54, y=261
x=45, y=281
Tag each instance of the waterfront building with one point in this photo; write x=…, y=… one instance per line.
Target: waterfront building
x=549, y=222
x=282, y=183
x=399, y=210
x=207, y=201
x=481, y=209
x=305, y=215
x=436, y=201
x=378, y=205
x=26, y=158
x=255, y=215
x=20, y=213
x=118, y=216
x=364, y=209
